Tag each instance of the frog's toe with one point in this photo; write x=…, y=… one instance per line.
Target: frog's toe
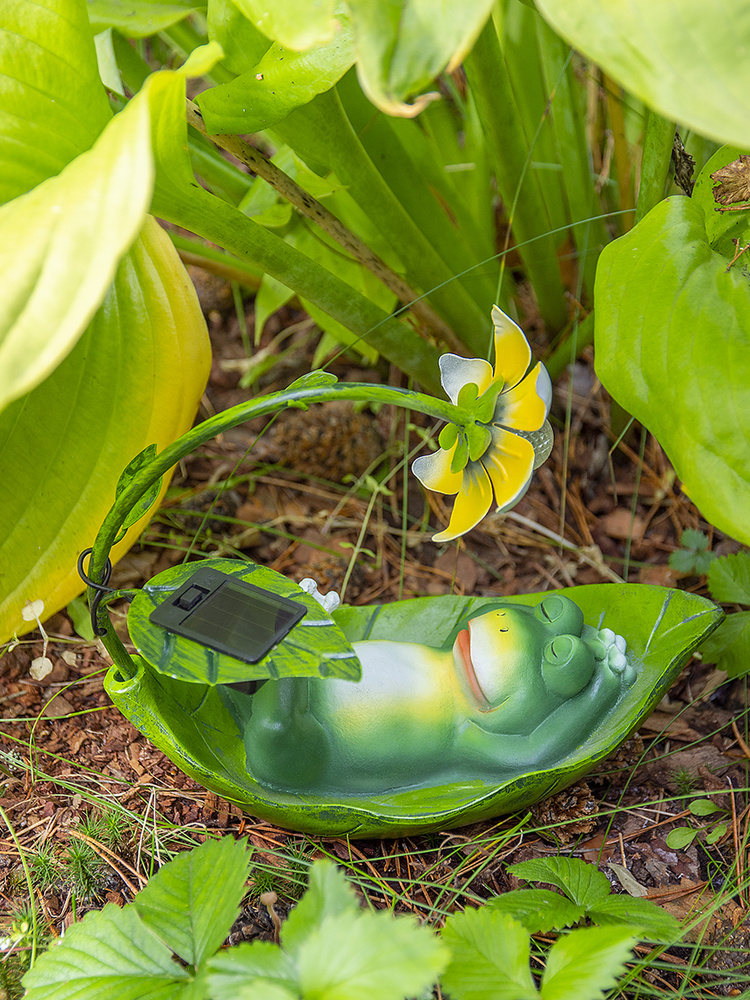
x=617, y=660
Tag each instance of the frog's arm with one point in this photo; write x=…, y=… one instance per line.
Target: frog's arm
x=285, y=745
x=566, y=728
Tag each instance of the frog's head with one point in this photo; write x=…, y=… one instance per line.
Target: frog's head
x=520, y=663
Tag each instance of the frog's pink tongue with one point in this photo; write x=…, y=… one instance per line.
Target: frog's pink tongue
x=464, y=644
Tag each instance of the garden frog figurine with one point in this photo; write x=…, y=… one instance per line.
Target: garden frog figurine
x=513, y=689
x=382, y=720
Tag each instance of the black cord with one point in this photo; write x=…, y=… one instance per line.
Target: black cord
x=100, y=588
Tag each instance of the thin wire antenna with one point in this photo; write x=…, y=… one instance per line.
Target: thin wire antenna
x=474, y=267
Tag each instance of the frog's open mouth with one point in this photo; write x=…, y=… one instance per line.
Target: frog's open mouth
x=463, y=642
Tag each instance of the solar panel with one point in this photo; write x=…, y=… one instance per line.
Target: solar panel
x=228, y=615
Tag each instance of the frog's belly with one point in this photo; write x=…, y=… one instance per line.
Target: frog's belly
x=393, y=728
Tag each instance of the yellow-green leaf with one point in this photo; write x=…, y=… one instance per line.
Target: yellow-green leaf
x=134, y=378
x=137, y=18
x=685, y=58
x=280, y=82
x=403, y=45
x=52, y=103
x=60, y=245
x=201, y=60
x=296, y=24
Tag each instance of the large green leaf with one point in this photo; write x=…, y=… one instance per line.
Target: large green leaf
x=332, y=950
x=373, y=957
x=52, y=103
x=646, y=917
x=729, y=646
x=61, y=242
x=280, y=82
x=60, y=245
x=685, y=58
x=138, y=18
x=137, y=373
x=537, y=909
x=243, y=44
x=296, y=24
x=586, y=963
x=192, y=902
x=583, y=883
x=404, y=44
x=134, y=378
x=591, y=892
x=400, y=48
x=489, y=957
x=672, y=347
x=328, y=895
x=107, y=954
x=247, y=971
x=729, y=578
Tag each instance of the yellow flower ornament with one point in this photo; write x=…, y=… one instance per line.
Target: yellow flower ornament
x=495, y=456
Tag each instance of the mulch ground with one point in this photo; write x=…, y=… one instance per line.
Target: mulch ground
x=64, y=749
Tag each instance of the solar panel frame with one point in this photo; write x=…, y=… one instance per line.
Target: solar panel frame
x=228, y=615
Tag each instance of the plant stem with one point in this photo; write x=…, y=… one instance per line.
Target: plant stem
x=413, y=165
x=312, y=209
x=569, y=123
x=214, y=261
x=490, y=83
x=193, y=208
x=321, y=133
x=622, y=155
x=221, y=176
x=657, y=155
x=261, y=406
x=29, y=885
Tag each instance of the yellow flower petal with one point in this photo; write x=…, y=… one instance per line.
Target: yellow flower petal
x=472, y=503
x=526, y=405
x=456, y=371
x=509, y=463
x=434, y=471
x=512, y=351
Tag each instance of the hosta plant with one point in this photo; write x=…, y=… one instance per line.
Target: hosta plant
x=103, y=347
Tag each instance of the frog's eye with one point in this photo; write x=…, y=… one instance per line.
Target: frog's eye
x=567, y=666
x=561, y=613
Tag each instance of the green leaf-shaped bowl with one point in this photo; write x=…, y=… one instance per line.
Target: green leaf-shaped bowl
x=190, y=722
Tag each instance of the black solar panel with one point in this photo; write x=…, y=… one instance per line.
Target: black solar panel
x=228, y=615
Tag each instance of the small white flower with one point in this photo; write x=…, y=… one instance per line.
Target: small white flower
x=32, y=610
x=40, y=667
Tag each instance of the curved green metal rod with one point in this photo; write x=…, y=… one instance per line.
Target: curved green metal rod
x=152, y=472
